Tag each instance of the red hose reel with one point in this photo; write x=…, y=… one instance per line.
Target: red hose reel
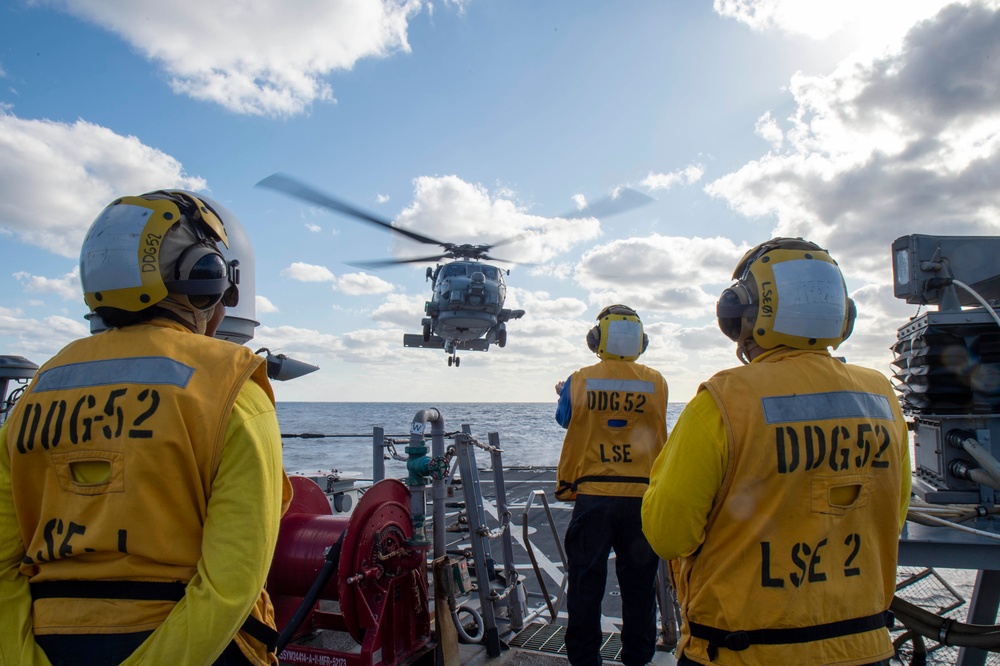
x=380, y=582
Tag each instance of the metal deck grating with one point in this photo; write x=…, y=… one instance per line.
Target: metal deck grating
x=551, y=639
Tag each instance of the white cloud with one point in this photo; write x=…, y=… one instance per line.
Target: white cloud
x=541, y=303
x=664, y=181
x=353, y=284
x=264, y=305
x=357, y=284
x=39, y=339
x=769, y=130
x=460, y=5
x=664, y=274
x=381, y=198
x=400, y=310
x=66, y=287
x=315, y=228
x=908, y=142
x=308, y=272
x=360, y=346
x=57, y=177
x=875, y=20
x=262, y=58
x=293, y=340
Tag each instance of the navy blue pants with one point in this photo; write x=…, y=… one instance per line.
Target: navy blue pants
x=112, y=649
x=600, y=524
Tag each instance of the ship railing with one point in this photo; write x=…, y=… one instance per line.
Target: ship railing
x=502, y=594
x=552, y=602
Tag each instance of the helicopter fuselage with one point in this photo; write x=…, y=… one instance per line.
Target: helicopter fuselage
x=466, y=308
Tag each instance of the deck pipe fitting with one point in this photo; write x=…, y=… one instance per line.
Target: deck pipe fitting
x=988, y=474
x=421, y=467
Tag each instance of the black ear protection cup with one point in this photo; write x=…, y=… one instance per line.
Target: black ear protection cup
x=852, y=314
x=594, y=339
x=737, y=301
x=201, y=272
x=733, y=305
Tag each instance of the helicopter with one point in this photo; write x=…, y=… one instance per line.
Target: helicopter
x=466, y=311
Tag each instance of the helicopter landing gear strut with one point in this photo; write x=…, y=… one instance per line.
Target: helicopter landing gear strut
x=454, y=359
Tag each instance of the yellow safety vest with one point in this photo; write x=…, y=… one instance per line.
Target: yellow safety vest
x=146, y=407
x=801, y=541
x=617, y=428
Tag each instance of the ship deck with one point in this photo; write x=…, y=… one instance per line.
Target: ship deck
x=538, y=523
x=542, y=640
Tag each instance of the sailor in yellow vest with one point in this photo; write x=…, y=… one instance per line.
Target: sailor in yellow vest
x=782, y=490
x=615, y=415
x=141, y=482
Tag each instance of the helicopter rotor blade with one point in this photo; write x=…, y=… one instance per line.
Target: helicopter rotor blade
x=624, y=200
x=300, y=190
x=512, y=239
x=486, y=257
x=382, y=263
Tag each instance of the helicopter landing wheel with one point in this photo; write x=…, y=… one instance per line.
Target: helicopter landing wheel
x=457, y=361
x=450, y=361
x=427, y=332
x=502, y=338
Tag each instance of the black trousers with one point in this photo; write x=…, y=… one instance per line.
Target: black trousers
x=600, y=524
x=112, y=649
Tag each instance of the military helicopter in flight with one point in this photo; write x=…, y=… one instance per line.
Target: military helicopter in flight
x=466, y=311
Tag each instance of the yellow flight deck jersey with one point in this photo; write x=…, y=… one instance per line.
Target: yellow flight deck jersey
x=780, y=496
x=160, y=457
x=616, y=430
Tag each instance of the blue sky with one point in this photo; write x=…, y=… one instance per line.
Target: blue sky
x=849, y=123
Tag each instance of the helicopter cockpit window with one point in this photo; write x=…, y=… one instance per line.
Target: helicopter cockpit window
x=454, y=270
x=491, y=272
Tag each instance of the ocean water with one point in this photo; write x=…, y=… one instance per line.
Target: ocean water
x=529, y=434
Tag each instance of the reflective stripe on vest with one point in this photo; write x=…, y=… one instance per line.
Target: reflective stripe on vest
x=140, y=370
x=621, y=385
x=825, y=406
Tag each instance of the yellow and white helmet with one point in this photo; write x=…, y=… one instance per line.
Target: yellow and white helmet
x=788, y=292
x=618, y=334
x=139, y=249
